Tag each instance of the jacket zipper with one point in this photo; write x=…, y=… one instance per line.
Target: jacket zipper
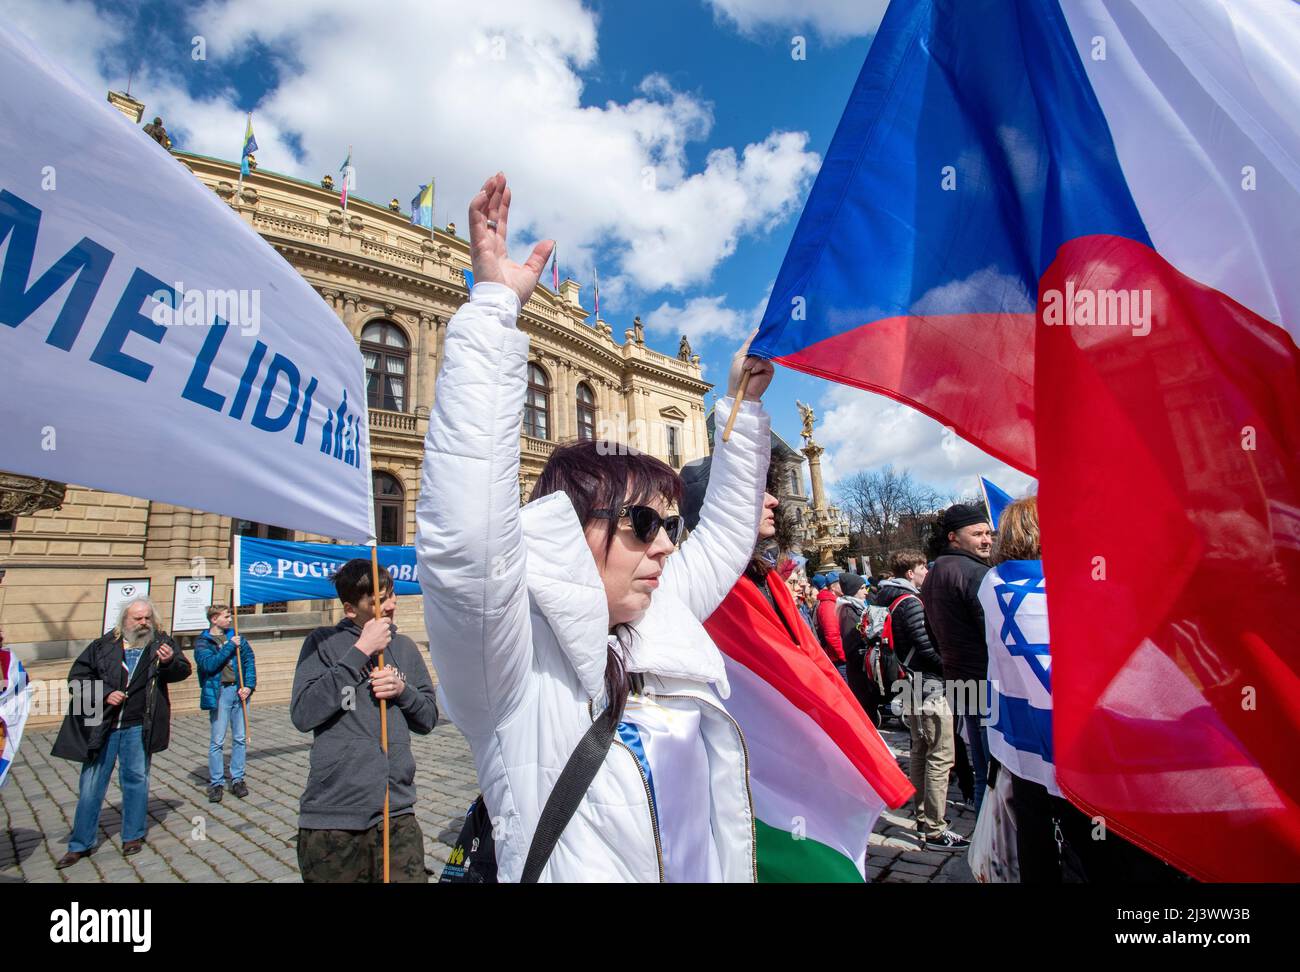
x=654, y=813
x=649, y=797
x=744, y=748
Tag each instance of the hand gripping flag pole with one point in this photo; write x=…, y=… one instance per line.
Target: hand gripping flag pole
x=735, y=405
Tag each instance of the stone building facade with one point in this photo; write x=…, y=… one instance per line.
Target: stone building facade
x=394, y=286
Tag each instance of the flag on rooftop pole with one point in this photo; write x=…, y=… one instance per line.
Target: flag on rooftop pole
x=422, y=206
x=143, y=309
x=249, y=147
x=1058, y=200
x=597, y=274
x=555, y=270
x=346, y=170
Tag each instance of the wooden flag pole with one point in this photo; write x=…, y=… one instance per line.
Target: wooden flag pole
x=376, y=602
x=735, y=406
x=239, y=662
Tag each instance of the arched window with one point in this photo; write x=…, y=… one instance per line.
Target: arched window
x=390, y=509
x=586, y=413
x=387, y=353
x=537, y=408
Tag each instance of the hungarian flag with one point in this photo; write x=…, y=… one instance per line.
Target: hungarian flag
x=819, y=773
x=1070, y=230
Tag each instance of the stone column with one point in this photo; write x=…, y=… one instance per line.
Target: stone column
x=620, y=408
x=636, y=429
x=209, y=546
x=823, y=547
x=158, y=531
x=566, y=427
x=179, y=547
x=439, y=343
x=428, y=364
x=350, y=313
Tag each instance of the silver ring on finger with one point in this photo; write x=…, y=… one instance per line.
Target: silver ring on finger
x=492, y=224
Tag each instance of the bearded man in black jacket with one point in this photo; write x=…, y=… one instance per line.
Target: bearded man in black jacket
x=129, y=669
x=952, y=607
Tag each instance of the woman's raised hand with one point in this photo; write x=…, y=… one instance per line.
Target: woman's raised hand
x=489, y=213
x=760, y=372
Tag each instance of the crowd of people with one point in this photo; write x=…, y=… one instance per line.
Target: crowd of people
x=576, y=643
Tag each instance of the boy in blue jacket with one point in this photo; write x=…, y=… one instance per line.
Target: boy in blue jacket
x=221, y=695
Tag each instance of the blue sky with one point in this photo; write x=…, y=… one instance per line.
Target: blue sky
x=577, y=102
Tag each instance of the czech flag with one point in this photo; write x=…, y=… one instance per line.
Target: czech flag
x=996, y=499
x=1070, y=229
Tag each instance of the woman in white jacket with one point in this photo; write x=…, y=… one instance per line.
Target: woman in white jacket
x=540, y=618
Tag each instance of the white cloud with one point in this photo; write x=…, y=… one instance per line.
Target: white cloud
x=459, y=91
x=72, y=37
x=861, y=430
x=700, y=319
x=705, y=318
x=833, y=19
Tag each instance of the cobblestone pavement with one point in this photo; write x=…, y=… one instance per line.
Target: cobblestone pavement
x=253, y=839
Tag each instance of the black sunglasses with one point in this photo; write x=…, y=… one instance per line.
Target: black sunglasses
x=646, y=522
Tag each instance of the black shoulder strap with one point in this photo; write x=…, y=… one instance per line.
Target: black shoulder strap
x=569, y=790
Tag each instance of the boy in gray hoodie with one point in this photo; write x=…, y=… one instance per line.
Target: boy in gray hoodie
x=336, y=693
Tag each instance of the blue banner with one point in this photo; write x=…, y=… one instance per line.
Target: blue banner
x=280, y=570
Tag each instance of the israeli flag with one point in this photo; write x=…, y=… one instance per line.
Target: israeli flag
x=1014, y=599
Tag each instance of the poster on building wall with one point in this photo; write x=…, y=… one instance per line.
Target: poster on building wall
x=118, y=593
x=191, y=598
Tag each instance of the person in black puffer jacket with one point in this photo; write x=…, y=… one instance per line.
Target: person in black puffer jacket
x=850, y=606
x=929, y=722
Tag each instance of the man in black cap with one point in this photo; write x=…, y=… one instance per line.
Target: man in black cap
x=962, y=548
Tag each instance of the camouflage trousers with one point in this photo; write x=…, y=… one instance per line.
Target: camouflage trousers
x=357, y=856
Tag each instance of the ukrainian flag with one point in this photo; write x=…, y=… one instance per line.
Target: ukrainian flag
x=250, y=146
x=422, y=207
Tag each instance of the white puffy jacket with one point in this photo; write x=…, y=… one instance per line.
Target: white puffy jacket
x=518, y=624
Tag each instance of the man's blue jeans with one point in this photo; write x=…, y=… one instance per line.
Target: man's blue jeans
x=978, y=750
x=228, y=713
x=128, y=746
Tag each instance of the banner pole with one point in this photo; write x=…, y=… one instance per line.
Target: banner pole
x=376, y=601
x=239, y=661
